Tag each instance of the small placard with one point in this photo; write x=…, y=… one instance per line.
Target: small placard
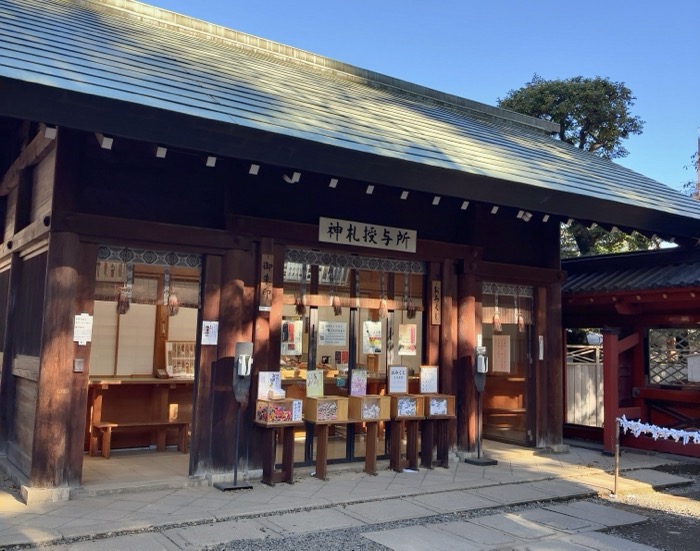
x=82, y=329
x=398, y=379
x=267, y=381
x=428, y=379
x=358, y=382
x=314, y=383
x=210, y=332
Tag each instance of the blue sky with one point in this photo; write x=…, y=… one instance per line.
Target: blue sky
x=482, y=49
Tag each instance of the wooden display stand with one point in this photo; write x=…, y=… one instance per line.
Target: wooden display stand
x=439, y=409
x=407, y=411
x=370, y=410
x=277, y=420
x=321, y=412
x=282, y=432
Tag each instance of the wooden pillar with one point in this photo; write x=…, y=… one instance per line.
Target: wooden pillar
x=554, y=367
x=7, y=381
x=610, y=388
x=465, y=391
x=236, y=320
x=59, y=425
x=200, y=441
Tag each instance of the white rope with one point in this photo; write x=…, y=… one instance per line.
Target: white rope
x=637, y=428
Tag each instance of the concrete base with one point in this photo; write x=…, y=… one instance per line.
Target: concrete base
x=481, y=461
x=33, y=496
x=215, y=479
x=554, y=449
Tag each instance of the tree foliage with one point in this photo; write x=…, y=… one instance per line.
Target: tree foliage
x=593, y=113
x=578, y=240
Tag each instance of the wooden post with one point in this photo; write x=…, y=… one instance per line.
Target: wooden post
x=611, y=376
x=200, y=441
x=59, y=425
x=465, y=391
x=7, y=382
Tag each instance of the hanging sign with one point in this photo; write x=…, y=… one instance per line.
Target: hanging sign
x=407, y=339
x=332, y=333
x=372, y=337
x=336, y=231
x=436, y=302
x=266, y=282
x=501, y=354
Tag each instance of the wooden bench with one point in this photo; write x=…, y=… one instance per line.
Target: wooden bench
x=102, y=430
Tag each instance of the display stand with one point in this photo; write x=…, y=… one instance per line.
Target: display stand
x=321, y=430
x=437, y=420
x=273, y=433
x=396, y=461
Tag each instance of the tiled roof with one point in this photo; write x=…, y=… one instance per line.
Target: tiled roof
x=132, y=55
x=667, y=268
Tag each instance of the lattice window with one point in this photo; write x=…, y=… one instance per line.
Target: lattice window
x=668, y=354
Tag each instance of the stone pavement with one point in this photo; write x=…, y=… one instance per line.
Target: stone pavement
x=193, y=517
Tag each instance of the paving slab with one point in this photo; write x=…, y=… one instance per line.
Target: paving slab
x=513, y=494
x=606, y=542
x=656, y=479
x=452, y=502
x=197, y=537
x=560, y=521
x=420, y=538
x=386, y=511
x=564, y=489
x=18, y=535
x=482, y=536
x=310, y=521
x=600, y=514
x=515, y=525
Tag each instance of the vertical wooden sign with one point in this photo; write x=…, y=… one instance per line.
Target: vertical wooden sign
x=436, y=302
x=266, y=283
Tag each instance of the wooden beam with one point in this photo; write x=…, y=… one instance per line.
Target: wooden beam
x=26, y=237
x=31, y=155
x=106, y=229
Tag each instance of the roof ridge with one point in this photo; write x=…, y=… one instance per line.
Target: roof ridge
x=202, y=29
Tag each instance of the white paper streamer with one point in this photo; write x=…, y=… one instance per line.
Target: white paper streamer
x=637, y=428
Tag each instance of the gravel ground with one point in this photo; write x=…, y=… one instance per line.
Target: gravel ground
x=674, y=514
x=673, y=522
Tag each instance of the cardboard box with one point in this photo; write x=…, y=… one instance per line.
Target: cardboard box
x=439, y=405
x=371, y=407
x=272, y=412
x=407, y=406
x=326, y=408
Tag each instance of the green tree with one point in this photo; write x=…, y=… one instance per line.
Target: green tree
x=594, y=115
